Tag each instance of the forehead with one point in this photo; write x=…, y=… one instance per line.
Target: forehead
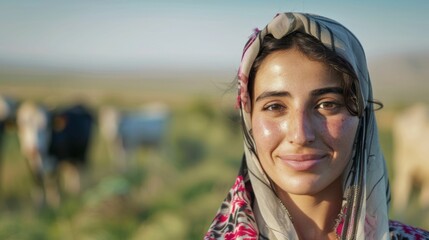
x=292, y=70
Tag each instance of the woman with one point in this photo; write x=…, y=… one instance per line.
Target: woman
x=312, y=167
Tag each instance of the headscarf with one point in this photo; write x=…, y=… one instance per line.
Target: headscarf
x=252, y=210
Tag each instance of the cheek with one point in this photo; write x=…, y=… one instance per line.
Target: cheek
x=342, y=131
x=266, y=133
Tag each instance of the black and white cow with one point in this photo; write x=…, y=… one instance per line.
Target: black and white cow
x=55, y=144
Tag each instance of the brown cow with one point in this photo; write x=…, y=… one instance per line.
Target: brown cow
x=411, y=156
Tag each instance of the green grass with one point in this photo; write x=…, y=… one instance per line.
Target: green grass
x=167, y=193
x=170, y=193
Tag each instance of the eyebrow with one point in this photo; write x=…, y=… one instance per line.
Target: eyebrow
x=268, y=94
x=314, y=93
x=322, y=91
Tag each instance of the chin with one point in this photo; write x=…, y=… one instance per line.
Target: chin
x=301, y=186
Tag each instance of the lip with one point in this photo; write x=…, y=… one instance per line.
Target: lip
x=302, y=162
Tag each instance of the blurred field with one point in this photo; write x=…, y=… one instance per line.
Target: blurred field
x=169, y=193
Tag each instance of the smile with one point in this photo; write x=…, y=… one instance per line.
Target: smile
x=304, y=162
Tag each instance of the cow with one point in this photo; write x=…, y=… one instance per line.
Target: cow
x=126, y=131
x=411, y=150
x=55, y=144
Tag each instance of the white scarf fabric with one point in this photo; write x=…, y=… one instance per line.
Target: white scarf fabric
x=366, y=188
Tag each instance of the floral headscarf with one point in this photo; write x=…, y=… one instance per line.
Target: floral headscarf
x=251, y=209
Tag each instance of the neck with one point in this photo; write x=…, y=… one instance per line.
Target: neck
x=314, y=216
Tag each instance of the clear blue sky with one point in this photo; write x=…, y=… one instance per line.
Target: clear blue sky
x=185, y=34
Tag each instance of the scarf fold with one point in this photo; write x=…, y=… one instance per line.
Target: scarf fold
x=366, y=187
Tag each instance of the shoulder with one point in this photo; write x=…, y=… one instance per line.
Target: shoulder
x=400, y=231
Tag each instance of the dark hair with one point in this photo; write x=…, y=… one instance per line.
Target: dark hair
x=315, y=50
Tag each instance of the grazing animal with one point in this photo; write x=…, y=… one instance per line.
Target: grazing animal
x=126, y=131
x=55, y=144
x=411, y=151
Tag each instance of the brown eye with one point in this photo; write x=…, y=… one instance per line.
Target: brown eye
x=274, y=107
x=328, y=105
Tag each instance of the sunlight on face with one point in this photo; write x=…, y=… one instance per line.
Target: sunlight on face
x=303, y=132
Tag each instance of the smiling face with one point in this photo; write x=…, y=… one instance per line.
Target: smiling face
x=302, y=129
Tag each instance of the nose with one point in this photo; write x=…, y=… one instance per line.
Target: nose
x=300, y=128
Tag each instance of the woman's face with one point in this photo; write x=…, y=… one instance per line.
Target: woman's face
x=303, y=132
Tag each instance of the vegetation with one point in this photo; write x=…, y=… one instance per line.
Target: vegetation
x=170, y=192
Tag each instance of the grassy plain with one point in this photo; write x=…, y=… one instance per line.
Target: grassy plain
x=171, y=192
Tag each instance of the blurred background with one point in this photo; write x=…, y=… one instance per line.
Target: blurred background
x=129, y=129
